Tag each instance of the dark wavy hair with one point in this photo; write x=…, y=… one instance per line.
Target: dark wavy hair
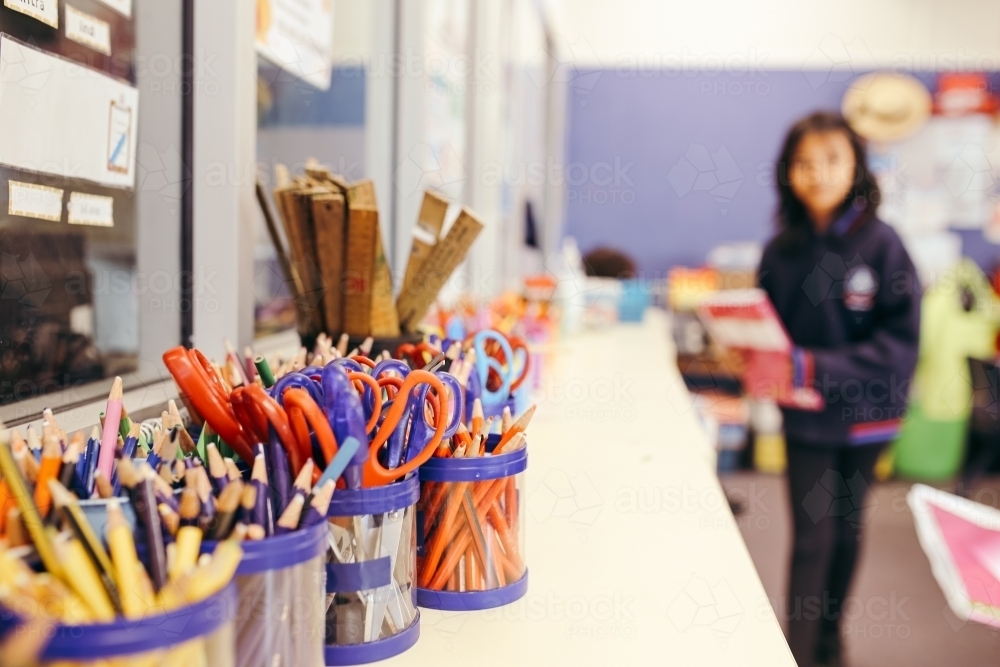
x=793, y=220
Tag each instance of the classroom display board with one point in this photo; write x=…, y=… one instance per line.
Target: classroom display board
x=68, y=174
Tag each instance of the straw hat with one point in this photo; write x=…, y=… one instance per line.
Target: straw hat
x=884, y=106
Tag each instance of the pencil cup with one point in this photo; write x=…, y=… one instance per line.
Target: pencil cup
x=279, y=619
x=371, y=610
x=470, y=554
x=200, y=634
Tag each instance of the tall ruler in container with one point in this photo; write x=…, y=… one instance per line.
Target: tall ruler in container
x=418, y=294
x=426, y=234
x=368, y=307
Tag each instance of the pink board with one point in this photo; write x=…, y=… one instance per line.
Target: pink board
x=970, y=545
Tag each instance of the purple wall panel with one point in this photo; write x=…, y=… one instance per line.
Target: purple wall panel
x=666, y=165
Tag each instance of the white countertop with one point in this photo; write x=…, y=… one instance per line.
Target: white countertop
x=634, y=556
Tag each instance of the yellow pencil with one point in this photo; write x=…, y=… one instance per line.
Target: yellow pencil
x=123, y=555
x=82, y=577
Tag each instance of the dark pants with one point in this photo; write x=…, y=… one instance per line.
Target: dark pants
x=829, y=487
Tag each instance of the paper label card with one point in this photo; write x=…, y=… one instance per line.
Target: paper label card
x=88, y=30
x=34, y=201
x=46, y=11
x=123, y=7
x=86, y=209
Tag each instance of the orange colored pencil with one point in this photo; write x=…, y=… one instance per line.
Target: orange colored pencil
x=7, y=503
x=471, y=571
x=48, y=469
x=477, y=417
x=520, y=426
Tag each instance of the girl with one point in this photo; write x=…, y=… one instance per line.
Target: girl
x=846, y=290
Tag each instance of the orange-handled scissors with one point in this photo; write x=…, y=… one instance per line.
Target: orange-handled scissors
x=375, y=474
x=204, y=389
x=346, y=415
x=416, y=353
x=260, y=413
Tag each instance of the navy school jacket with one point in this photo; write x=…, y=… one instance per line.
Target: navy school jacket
x=850, y=301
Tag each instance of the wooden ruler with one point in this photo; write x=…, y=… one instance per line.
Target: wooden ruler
x=418, y=295
x=329, y=222
x=359, y=277
x=384, y=319
x=426, y=234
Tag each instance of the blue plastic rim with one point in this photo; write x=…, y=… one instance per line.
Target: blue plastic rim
x=377, y=499
x=474, y=469
x=280, y=551
x=439, y=469
x=361, y=654
x=98, y=641
x=473, y=600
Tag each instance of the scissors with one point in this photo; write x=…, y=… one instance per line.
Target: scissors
x=207, y=394
x=416, y=353
x=346, y=414
x=412, y=435
x=301, y=395
x=500, y=367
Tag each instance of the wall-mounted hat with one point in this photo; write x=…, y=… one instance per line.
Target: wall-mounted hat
x=885, y=106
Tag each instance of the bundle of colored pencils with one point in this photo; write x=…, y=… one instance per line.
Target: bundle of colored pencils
x=86, y=581
x=472, y=529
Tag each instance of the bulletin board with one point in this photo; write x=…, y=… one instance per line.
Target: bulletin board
x=69, y=170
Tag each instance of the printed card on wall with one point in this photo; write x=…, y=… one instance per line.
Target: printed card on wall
x=46, y=11
x=32, y=200
x=88, y=30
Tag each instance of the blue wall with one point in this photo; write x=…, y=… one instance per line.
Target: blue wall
x=296, y=103
x=693, y=153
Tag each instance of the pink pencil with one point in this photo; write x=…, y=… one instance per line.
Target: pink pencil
x=109, y=439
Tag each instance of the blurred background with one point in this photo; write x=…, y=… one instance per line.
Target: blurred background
x=648, y=127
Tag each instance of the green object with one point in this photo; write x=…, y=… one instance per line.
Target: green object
x=929, y=449
x=124, y=426
x=949, y=335
x=959, y=318
x=226, y=451
x=144, y=445
x=200, y=445
x=264, y=370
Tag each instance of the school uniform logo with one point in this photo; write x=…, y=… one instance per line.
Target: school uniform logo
x=833, y=278
x=860, y=286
